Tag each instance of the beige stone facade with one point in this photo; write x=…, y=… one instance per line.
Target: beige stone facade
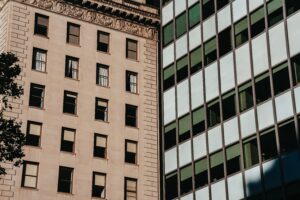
x=135, y=22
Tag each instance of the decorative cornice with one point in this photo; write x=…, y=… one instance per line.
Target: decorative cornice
x=104, y=16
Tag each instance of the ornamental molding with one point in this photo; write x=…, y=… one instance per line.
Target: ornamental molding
x=94, y=16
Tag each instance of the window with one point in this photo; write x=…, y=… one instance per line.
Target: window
x=65, y=179
x=130, y=152
x=268, y=144
x=100, y=143
x=287, y=136
x=281, y=80
x=295, y=63
x=233, y=157
x=103, y=41
x=201, y=173
x=208, y=8
x=130, y=189
x=131, y=81
x=198, y=121
x=131, y=49
x=245, y=96
x=222, y=3
x=228, y=105
x=72, y=66
x=41, y=24
x=213, y=113
x=70, y=101
x=196, y=60
x=210, y=51
x=250, y=150
x=180, y=25
x=182, y=68
x=170, y=136
x=262, y=88
x=168, y=33
x=101, y=109
x=169, y=76
x=36, y=98
x=30, y=174
x=131, y=115
x=98, y=187
x=73, y=33
x=184, y=128
x=67, y=139
x=33, y=133
x=225, y=41
x=241, y=32
x=275, y=13
x=102, y=77
x=186, y=180
x=194, y=15
x=257, y=21
x=171, y=188
x=39, y=60
x=291, y=6
x=216, y=166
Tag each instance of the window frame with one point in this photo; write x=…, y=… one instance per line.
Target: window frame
x=94, y=184
x=102, y=79
x=43, y=63
x=33, y=135
x=132, y=50
x=100, y=111
x=36, y=25
x=25, y=163
x=99, y=33
x=66, y=92
x=68, y=181
x=69, y=24
x=96, y=135
x=67, y=142
x=130, y=116
x=130, y=191
x=131, y=84
x=127, y=142
x=69, y=70
x=41, y=98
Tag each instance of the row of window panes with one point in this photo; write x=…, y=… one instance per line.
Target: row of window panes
x=65, y=181
x=250, y=147
x=41, y=27
x=72, y=70
x=262, y=88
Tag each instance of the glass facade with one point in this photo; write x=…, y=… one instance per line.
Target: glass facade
x=231, y=99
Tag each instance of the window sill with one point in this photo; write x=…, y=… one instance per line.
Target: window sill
x=126, y=126
x=42, y=72
x=134, y=93
x=99, y=198
x=103, y=52
x=130, y=59
x=65, y=193
x=132, y=164
x=108, y=87
x=73, y=79
x=74, y=45
x=99, y=120
x=37, y=108
x=33, y=147
x=29, y=188
x=101, y=159
x=68, y=153
x=70, y=114
x=41, y=36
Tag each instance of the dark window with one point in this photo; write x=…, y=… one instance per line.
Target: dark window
x=194, y=15
x=67, y=139
x=33, y=133
x=131, y=81
x=130, y=152
x=182, y=68
x=100, y=142
x=170, y=136
x=102, y=76
x=41, y=24
x=103, y=41
x=287, y=136
x=213, y=113
x=198, y=121
x=233, y=156
x=169, y=76
x=201, y=174
x=130, y=189
x=225, y=41
x=295, y=62
x=65, y=179
x=262, y=88
x=72, y=66
x=131, y=49
x=184, y=128
x=268, y=144
x=39, y=59
x=180, y=25
x=245, y=96
x=131, y=115
x=216, y=166
x=70, y=101
x=222, y=3
x=281, y=80
x=168, y=33
x=98, y=187
x=275, y=12
x=73, y=32
x=101, y=109
x=291, y=6
x=171, y=186
x=30, y=174
x=196, y=60
x=257, y=21
x=186, y=179
x=208, y=8
x=210, y=51
x=228, y=104
x=250, y=152
x=241, y=32
x=36, y=98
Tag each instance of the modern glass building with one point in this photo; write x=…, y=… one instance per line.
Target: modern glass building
x=230, y=75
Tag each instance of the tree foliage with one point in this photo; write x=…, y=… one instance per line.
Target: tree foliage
x=11, y=137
